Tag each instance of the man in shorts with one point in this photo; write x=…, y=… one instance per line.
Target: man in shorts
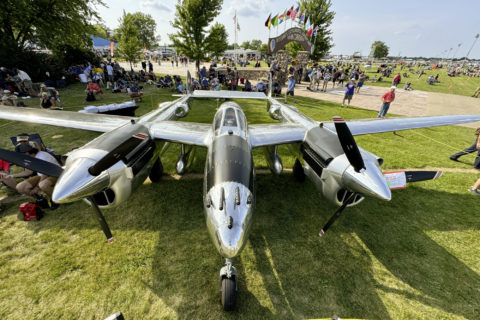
x=40, y=184
x=349, y=90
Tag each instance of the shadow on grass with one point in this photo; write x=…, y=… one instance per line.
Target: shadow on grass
x=294, y=273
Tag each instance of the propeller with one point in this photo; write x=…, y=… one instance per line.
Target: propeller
x=101, y=220
x=414, y=176
x=52, y=170
x=25, y=161
x=336, y=214
x=348, y=144
x=189, y=83
x=117, y=154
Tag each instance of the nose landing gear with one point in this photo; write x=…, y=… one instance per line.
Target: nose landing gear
x=228, y=285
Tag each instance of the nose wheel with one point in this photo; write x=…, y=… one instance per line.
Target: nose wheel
x=228, y=285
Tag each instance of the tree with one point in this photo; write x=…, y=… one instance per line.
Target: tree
x=191, y=19
x=99, y=31
x=293, y=47
x=129, y=45
x=46, y=23
x=245, y=45
x=146, y=27
x=380, y=49
x=318, y=11
x=217, y=40
x=255, y=44
x=263, y=49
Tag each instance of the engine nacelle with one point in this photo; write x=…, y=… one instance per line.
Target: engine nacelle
x=126, y=178
x=182, y=110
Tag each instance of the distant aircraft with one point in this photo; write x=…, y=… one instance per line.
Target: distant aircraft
x=108, y=169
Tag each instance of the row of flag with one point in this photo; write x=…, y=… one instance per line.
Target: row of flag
x=292, y=14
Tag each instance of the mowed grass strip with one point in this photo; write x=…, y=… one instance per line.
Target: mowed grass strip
x=413, y=257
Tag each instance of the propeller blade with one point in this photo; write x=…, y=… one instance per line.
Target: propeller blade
x=101, y=220
x=348, y=144
x=117, y=154
x=189, y=83
x=414, y=176
x=31, y=163
x=336, y=214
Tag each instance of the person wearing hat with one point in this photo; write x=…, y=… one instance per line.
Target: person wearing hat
x=387, y=99
x=39, y=184
x=9, y=99
x=24, y=138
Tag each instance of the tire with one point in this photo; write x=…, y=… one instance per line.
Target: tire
x=157, y=171
x=298, y=173
x=228, y=293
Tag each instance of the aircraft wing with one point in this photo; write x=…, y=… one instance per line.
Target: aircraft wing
x=359, y=127
x=273, y=134
x=68, y=119
x=227, y=94
x=181, y=132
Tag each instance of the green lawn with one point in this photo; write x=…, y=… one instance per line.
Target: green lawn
x=461, y=85
x=415, y=257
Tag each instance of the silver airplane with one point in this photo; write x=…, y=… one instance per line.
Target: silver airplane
x=108, y=169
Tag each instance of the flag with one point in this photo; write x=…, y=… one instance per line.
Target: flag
x=302, y=17
x=282, y=17
x=289, y=12
x=235, y=21
x=294, y=13
x=111, y=48
x=307, y=24
x=310, y=31
x=314, y=33
x=267, y=23
x=275, y=21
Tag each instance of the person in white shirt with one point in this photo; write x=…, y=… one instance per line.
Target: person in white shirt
x=26, y=81
x=36, y=185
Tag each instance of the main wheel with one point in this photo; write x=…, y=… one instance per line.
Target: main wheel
x=298, y=173
x=228, y=293
x=157, y=171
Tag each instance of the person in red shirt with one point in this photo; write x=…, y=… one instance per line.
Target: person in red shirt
x=397, y=79
x=387, y=98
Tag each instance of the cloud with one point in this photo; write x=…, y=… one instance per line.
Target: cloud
x=154, y=4
x=248, y=8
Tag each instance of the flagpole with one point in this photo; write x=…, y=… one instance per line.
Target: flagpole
x=236, y=45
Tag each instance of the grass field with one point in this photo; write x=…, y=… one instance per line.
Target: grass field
x=415, y=257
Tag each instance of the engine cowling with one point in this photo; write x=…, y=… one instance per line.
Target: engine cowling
x=182, y=110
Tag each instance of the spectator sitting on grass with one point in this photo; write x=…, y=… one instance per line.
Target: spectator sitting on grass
x=431, y=80
x=181, y=88
x=135, y=92
x=408, y=86
x=204, y=84
x=92, y=87
x=261, y=87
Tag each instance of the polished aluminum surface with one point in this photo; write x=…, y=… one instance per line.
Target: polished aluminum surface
x=76, y=120
x=358, y=127
x=229, y=241
x=182, y=132
x=228, y=94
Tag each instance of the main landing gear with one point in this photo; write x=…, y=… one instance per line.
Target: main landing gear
x=228, y=285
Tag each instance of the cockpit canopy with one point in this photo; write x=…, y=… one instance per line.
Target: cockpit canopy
x=230, y=119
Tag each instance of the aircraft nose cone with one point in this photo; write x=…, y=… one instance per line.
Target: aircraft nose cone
x=76, y=183
x=368, y=182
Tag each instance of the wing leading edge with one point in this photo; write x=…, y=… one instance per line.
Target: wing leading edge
x=68, y=119
x=359, y=127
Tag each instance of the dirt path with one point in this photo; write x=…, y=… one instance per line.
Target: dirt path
x=407, y=103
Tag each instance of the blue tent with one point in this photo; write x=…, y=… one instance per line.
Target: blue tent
x=99, y=42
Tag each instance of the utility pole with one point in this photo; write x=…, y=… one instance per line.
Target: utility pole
x=455, y=54
x=476, y=38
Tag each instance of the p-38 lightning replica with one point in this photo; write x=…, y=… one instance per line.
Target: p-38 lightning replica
x=108, y=169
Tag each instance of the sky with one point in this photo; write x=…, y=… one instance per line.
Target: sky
x=410, y=28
